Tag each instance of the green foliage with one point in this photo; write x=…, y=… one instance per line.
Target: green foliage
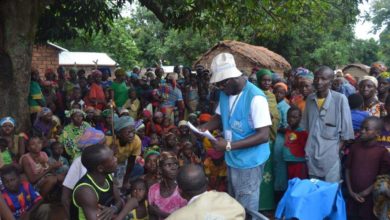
x=384, y=52
x=380, y=17
x=119, y=43
x=61, y=19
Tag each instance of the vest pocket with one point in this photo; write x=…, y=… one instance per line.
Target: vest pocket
x=329, y=131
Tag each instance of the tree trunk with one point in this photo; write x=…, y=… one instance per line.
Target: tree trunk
x=18, y=25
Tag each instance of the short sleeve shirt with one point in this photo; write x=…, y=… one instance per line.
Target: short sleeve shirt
x=124, y=152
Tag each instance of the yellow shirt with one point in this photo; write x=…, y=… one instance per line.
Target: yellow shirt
x=124, y=152
x=320, y=102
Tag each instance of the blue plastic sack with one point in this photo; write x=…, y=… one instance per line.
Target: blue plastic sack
x=312, y=199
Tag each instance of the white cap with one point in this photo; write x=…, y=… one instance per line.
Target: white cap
x=223, y=67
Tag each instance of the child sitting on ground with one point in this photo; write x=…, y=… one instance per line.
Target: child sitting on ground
x=294, y=145
x=57, y=150
x=187, y=155
x=138, y=191
x=37, y=168
x=366, y=160
x=216, y=170
x=20, y=196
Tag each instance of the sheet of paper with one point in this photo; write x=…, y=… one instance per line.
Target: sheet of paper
x=206, y=133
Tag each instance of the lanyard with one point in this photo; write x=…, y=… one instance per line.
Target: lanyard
x=234, y=103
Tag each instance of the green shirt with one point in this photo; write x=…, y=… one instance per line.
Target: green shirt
x=120, y=93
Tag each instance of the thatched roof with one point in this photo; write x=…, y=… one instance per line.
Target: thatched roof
x=246, y=56
x=357, y=70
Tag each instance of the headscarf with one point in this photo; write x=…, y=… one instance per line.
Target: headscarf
x=166, y=155
x=119, y=72
x=385, y=75
x=261, y=73
x=138, y=124
x=7, y=120
x=90, y=137
x=182, y=123
x=304, y=73
x=69, y=114
x=123, y=122
x=106, y=113
x=150, y=152
x=123, y=110
x=350, y=79
x=44, y=111
x=281, y=84
x=379, y=66
x=205, y=117
x=96, y=73
x=158, y=114
x=146, y=113
x=372, y=79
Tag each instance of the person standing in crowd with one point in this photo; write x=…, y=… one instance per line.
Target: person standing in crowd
x=368, y=89
x=119, y=89
x=366, y=160
x=327, y=118
x=126, y=146
x=245, y=129
x=202, y=204
x=36, y=100
x=96, y=97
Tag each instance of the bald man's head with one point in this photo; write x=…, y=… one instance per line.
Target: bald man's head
x=192, y=180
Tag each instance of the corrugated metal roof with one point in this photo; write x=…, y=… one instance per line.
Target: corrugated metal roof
x=85, y=58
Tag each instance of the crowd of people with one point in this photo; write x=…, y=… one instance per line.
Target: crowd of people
x=119, y=147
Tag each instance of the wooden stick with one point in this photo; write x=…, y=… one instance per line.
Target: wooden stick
x=112, y=123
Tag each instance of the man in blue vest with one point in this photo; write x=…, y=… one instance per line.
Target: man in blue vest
x=244, y=117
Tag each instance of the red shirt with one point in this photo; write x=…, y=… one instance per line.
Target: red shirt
x=365, y=162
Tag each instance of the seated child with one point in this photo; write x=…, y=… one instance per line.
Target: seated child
x=187, y=155
x=132, y=104
x=20, y=196
x=138, y=191
x=171, y=143
x=154, y=125
x=6, y=155
x=216, y=170
x=294, y=145
x=366, y=160
x=57, y=150
x=37, y=168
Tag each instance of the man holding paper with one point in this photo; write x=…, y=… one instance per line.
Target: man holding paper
x=244, y=117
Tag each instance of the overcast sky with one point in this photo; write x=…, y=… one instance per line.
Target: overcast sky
x=363, y=28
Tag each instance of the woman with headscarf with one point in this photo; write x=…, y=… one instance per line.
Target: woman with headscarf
x=304, y=79
x=126, y=146
x=367, y=88
x=264, y=81
x=43, y=124
x=377, y=68
x=73, y=131
x=16, y=141
x=280, y=166
x=164, y=197
x=96, y=97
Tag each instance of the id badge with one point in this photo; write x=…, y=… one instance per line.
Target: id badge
x=228, y=135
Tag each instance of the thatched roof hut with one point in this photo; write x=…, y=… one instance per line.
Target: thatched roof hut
x=357, y=70
x=246, y=56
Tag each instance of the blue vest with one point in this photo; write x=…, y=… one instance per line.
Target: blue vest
x=238, y=124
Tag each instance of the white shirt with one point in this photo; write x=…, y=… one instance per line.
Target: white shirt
x=259, y=115
x=75, y=172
